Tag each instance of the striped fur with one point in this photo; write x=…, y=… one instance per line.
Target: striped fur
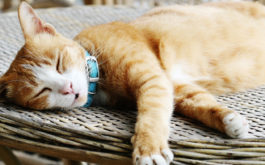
x=173, y=57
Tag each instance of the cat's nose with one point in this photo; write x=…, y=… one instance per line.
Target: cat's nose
x=67, y=89
x=76, y=95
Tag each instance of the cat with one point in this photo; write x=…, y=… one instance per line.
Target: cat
x=171, y=58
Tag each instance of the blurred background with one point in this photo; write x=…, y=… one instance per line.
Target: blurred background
x=9, y=5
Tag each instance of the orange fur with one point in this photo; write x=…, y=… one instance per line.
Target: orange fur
x=180, y=54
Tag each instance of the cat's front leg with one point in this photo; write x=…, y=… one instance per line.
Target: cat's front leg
x=195, y=102
x=155, y=106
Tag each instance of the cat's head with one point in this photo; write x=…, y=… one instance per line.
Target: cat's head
x=48, y=71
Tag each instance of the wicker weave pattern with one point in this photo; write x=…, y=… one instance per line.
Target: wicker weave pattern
x=106, y=132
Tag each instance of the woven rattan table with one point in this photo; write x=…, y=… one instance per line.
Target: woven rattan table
x=103, y=135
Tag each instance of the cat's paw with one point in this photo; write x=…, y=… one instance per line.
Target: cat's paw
x=164, y=157
x=150, y=153
x=236, y=126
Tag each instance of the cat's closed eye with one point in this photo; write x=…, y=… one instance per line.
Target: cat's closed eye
x=45, y=89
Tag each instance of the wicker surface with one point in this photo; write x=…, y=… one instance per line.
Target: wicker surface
x=100, y=135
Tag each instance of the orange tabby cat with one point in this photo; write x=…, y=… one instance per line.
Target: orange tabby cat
x=171, y=58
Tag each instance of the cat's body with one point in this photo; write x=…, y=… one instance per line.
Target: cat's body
x=218, y=49
x=170, y=58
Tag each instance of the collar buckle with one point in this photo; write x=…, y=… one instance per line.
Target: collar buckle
x=92, y=72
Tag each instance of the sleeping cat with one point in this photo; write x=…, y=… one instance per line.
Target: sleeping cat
x=172, y=58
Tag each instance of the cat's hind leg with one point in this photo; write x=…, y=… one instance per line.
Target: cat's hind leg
x=195, y=102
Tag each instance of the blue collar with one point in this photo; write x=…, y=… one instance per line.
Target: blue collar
x=92, y=77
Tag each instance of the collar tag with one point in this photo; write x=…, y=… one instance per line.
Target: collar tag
x=92, y=72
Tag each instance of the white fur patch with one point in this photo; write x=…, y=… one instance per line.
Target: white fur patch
x=236, y=126
x=144, y=161
x=168, y=155
x=159, y=160
x=180, y=74
x=156, y=159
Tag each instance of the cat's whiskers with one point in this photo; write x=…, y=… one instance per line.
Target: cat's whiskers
x=103, y=62
x=97, y=52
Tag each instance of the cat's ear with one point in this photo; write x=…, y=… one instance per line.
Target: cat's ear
x=31, y=24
